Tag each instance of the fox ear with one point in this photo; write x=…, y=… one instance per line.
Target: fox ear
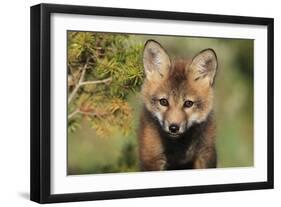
x=204, y=66
x=155, y=60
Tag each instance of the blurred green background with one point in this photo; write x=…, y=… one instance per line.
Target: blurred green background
x=89, y=152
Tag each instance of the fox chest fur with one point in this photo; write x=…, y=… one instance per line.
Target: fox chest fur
x=177, y=129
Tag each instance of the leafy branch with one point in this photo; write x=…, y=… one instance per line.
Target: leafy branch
x=103, y=69
x=81, y=82
x=78, y=111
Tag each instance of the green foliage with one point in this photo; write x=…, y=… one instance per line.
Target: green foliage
x=103, y=69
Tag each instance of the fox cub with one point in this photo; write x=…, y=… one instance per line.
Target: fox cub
x=177, y=129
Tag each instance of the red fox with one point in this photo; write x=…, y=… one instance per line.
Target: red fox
x=177, y=128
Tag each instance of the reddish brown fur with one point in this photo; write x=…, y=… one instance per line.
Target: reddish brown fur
x=159, y=152
x=195, y=148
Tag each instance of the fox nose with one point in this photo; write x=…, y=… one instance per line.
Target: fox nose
x=174, y=128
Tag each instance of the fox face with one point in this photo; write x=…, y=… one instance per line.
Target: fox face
x=178, y=94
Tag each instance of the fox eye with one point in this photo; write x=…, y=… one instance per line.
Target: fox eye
x=164, y=102
x=188, y=104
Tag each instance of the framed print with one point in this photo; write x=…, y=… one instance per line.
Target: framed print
x=132, y=103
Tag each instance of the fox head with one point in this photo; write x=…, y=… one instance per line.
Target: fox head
x=178, y=94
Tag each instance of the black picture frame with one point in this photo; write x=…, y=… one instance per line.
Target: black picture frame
x=41, y=95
